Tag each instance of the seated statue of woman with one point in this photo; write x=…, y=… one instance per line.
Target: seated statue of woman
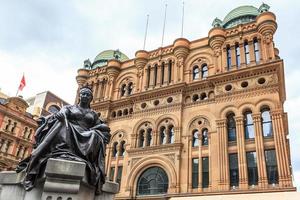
x=74, y=133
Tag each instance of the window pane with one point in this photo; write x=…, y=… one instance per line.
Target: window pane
x=171, y=134
x=149, y=137
x=271, y=164
x=195, y=175
x=228, y=52
x=195, y=138
x=234, y=169
x=204, y=137
x=112, y=173
x=266, y=123
x=252, y=168
x=205, y=172
x=231, y=127
x=196, y=72
x=119, y=175
x=248, y=126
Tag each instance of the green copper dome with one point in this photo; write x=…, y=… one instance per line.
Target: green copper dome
x=240, y=15
x=103, y=57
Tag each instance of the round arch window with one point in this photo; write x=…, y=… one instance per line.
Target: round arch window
x=152, y=181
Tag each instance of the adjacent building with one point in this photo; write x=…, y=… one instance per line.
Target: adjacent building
x=17, y=129
x=194, y=118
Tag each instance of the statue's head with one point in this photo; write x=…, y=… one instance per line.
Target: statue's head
x=85, y=95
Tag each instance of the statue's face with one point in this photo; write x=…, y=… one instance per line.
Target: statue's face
x=85, y=96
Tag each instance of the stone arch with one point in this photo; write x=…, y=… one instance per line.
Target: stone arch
x=129, y=75
x=246, y=106
x=192, y=57
x=265, y=102
x=227, y=109
x=206, y=123
x=166, y=116
x=141, y=165
x=140, y=122
x=115, y=134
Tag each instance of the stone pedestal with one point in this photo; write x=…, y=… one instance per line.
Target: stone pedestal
x=62, y=180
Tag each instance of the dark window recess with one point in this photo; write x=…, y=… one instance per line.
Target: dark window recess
x=234, y=169
x=205, y=172
x=195, y=172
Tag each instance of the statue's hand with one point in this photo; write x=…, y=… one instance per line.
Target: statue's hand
x=60, y=115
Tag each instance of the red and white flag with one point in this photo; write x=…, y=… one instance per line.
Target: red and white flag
x=22, y=83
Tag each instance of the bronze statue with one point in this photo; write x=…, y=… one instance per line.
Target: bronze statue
x=74, y=133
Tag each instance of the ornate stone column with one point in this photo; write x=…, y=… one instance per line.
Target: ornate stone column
x=243, y=176
x=259, y=145
x=141, y=59
x=81, y=78
x=181, y=50
x=281, y=149
x=223, y=155
x=233, y=58
x=216, y=39
x=242, y=54
x=113, y=69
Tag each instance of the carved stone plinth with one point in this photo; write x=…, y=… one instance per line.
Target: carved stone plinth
x=62, y=180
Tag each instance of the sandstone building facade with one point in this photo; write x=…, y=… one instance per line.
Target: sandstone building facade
x=17, y=129
x=197, y=117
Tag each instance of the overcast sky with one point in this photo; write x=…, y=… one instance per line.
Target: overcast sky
x=48, y=40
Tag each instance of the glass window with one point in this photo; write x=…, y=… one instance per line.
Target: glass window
x=252, y=168
x=148, y=76
x=248, y=125
x=205, y=172
x=153, y=180
x=204, y=71
x=256, y=50
x=205, y=137
x=195, y=138
x=195, y=172
x=266, y=122
x=247, y=54
x=238, y=55
x=155, y=75
x=163, y=138
x=196, y=72
x=162, y=73
x=228, y=53
x=170, y=71
x=231, y=127
x=234, y=169
x=122, y=150
x=119, y=175
x=171, y=134
x=271, y=164
x=141, y=138
x=130, y=88
x=149, y=137
x=123, y=90
x=112, y=173
x=115, y=150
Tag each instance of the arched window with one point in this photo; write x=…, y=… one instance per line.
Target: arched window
x=204, y=71
x=125, y=112
x=130, y=88
x=204, y=137
x=122, y=149
x=247, y=54
x=170, y=71
x=25, y=132
x=30, y=134
x=14, y=127
x=155, y=75
x=115, y=149
x=148, y=76
x=256, y=50
x=152, y=181
x=238, y=55
x=141, y=138
x=113, y=114
x=119, y=113
x=171, y=134
x=228, y=53
x=123, y=90
x=248, y=125
x=231, y=127
x=196, y=72
x=162, y=73
x=195, y=138
x=266, y=122
x=149, y=137
x=163, y=135
x=8, y=124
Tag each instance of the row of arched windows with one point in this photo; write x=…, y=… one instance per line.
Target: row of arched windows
x=121, y=113
x=238, y=53
x=165, y=72
x=200, y=72
x=249, y=130
x=10, y=126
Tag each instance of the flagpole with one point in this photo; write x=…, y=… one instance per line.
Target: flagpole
x=146, y=32
x=162, y=39
x=182, y=19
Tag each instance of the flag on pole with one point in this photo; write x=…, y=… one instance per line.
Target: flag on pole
x=22, y=83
